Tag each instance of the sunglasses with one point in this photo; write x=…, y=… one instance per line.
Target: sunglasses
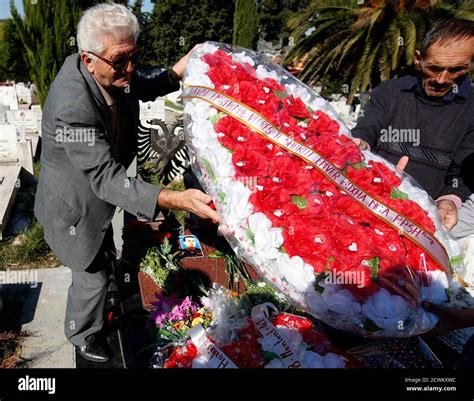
x=121, y=63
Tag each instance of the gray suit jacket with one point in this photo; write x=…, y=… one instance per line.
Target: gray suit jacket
x=81, y=180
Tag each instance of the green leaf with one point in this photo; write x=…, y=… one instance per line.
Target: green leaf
x=358, y=166
x=268, y=356
x=374, y=267
x=369, y=325
x=299, y=201
x=320, y=277
x=216, y=254
x=209, y=169
x=456, y=260
x=222, y=196
x=282, y=249
x=328, y=263
x=280, y=94
x=250, y=235
x=215, y=118
x=355, y=166
x=397, y=194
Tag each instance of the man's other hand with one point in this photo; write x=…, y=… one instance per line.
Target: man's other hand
x=192, y=200
x=448, y=212
x=449, y=318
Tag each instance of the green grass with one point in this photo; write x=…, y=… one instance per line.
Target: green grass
x=173, y=105
x=28, y=249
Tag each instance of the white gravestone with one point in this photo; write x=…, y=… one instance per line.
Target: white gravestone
x=8, y=147
x=23, y=93
x=27, y=119
x=37, y=109
x=8, y=97
x=152, y=110
x=3, y=113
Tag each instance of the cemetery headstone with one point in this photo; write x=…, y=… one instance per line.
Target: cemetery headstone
x=24, y=118
x=8, y=97
x=8, y=147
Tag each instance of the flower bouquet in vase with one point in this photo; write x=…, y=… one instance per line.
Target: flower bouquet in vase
x=333, y=227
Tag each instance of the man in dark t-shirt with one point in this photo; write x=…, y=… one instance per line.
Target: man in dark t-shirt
x=429, y=117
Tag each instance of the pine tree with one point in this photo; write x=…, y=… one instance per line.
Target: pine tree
x=177, y=25
x=48, y=33
x=245, y=24
x=12, y=54
x=145, y=38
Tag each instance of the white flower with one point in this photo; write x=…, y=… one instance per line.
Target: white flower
x=201, y=362
x=339, y=300
x=242, y=58
x=237, y=208
x=333, y=361
x=267, y=239
x=385, y=310
x=296, y=272
x=263, y=73
x=298, y=91
x=196, y=73
x=436, y=290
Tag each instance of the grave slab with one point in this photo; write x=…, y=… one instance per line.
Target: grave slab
x=9, y=179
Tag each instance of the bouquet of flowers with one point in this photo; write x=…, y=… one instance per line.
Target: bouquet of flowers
x=243, y=337
x=333, y=227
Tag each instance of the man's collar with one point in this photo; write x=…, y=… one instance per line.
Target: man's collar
x=462, y=91
x=108, y=98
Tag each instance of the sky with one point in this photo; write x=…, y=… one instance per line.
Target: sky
x=5, y=7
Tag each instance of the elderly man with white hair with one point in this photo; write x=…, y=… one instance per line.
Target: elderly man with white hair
x=89, y=127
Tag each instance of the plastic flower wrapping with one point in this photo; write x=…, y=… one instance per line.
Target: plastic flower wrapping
x=334, y=228
x=241, y=335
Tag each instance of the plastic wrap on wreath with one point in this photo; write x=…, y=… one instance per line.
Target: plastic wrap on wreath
x=255, y=337
x=334, y=228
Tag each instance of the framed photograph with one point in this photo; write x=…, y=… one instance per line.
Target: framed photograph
x=190, y=246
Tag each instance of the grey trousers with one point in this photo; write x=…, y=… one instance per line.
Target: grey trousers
x=87, y=295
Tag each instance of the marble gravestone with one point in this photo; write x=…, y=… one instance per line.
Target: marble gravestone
x=8, y=146
x=152, y=110
x=23, y=93
x=9, y=172
x=8, y=97
x=27, y=119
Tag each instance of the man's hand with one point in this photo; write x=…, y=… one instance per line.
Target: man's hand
x=361, y=144
x=402, y=164
x=448, y=212
x=449, y=318
x=180, y=66
x=191, y=200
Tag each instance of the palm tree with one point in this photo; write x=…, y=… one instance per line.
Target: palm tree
x=365, y=41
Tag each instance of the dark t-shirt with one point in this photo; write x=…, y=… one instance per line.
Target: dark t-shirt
x=437, y=134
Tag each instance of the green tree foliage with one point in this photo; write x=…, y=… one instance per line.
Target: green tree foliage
x=369, y=42
x=146, y=33
x=13, y=60
x=177, y=25
x=274, y=15
x=245, y=24
x=48, y=33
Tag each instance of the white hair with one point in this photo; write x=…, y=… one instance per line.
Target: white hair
x=105, y=20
